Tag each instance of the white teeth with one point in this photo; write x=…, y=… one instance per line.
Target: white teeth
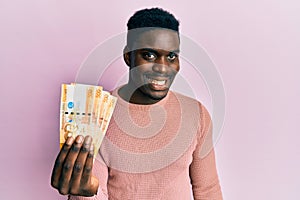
x=156, y=82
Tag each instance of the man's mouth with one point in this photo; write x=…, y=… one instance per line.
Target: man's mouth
x=157, y=83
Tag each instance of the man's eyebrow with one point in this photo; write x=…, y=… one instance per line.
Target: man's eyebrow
x=175, y=51
x=149, y=49
x=156, y=52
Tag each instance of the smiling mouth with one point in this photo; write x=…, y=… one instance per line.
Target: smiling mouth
x=157, y=83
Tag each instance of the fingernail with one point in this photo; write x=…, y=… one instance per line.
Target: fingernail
x=91, y=153
x=92, y=149
x=79, y=139
x=69, y=140
x=88, y=139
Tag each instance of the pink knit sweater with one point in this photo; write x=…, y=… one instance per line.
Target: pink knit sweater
x=157, y=151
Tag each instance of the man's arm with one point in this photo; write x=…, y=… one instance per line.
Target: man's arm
x=203, y=172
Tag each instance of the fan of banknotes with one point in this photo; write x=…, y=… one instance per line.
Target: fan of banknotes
x=85, y=110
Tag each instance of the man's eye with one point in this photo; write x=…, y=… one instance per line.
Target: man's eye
x=149, y=56
x=172, y=56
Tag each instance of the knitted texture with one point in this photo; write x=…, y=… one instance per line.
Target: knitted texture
x=157, y=151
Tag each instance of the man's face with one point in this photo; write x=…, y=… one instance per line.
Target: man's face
x=154, y=62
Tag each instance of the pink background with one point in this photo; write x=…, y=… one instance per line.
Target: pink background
x=255, y=45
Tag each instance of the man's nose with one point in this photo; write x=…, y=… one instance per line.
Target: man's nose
x=161, y=65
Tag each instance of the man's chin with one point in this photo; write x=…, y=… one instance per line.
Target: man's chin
x=158, y=95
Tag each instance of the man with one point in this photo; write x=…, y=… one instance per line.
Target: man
x=153, y=146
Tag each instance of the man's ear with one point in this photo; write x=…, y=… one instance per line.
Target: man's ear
x=126, y=56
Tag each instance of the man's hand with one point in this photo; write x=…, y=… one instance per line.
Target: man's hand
x=72, y=172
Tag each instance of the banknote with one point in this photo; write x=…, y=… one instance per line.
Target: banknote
x=85, y=110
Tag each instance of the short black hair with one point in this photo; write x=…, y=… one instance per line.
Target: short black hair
x=149, y=19
x=153, y=17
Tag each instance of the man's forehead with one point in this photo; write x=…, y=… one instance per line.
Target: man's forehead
x=159, y=39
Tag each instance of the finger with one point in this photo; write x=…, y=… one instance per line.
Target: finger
x=87, y=171
x=89, y=183
x=79, y=165
x=56, y=172
x=64, y=182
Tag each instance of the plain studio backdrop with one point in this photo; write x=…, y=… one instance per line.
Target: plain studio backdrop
x=254, y=44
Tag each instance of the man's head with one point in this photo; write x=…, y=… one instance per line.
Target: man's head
x=152, y=52
x=147, y=19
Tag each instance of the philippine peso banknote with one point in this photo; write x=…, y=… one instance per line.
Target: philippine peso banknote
x=85, y=110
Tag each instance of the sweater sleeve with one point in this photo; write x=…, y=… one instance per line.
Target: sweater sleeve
x=203, y=172
x=100, y=170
